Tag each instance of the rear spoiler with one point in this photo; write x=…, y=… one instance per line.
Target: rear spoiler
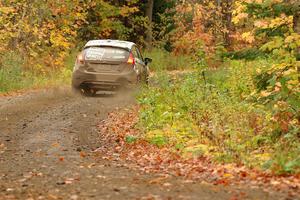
x=113, y=46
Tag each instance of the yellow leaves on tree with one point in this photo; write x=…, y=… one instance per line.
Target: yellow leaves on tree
x=248, y=37
x=126, y=11
x=40, y=31
x=280, y=21
x=190, y=36
x=238, y=13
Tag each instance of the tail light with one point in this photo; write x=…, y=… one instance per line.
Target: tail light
x=131, y=59
x=80, y=59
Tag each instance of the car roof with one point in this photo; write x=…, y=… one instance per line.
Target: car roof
x=111, y=43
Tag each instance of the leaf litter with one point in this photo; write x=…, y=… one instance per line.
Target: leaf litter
x=120, y=124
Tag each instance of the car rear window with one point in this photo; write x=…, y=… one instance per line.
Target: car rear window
x=106, y=54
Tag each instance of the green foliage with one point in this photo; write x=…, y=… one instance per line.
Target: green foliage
x=157, y=138
x=163, y=60
x=106, y=19
x=270, y=9
x=216, y=109
x=277, y=85
x=163, y=18
x=130, y=139
x=247, y=54
x=285, y=160
x=13, y=76
x=10, y=72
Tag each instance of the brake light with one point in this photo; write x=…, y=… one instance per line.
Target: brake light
x=131, y=59
x=80, y=59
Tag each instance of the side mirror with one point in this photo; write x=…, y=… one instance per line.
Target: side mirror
x=148, y=60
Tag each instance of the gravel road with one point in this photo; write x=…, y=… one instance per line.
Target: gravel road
x=47, y=140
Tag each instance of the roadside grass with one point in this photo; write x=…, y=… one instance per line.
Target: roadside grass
x=15, y=76
x=213, y=113
x=163, y=60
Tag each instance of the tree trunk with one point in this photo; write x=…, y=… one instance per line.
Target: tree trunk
x=227, y=14
x=149, y=14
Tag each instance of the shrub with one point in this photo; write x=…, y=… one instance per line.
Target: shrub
x=247, y=54
x=217, y=109
x=163, y=60
x=10, y=71
x=15, y=75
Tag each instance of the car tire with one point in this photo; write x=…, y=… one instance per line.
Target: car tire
x=89, y=92
x=84, y=91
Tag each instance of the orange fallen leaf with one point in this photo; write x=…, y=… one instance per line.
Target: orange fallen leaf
x=157, y=180
x=227, y=175
x=91, y=165
x=167, y=184
x=82, y=154
x=55, y=145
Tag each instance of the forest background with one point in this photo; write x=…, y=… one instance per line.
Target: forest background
x=243, y=56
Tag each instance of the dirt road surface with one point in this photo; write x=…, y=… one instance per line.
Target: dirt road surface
x=47, y=140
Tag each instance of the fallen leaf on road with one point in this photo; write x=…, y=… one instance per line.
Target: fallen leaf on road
x=91, y=165
x=100, y=176
x=152, y=159
x=55, y=145
x=82, y=154
x=9, y=189
x=226, y=175
x=74, y=197
x=23, y=180
x=157, y=180
x=51, y=196
x=167, y=184
x=69, y=181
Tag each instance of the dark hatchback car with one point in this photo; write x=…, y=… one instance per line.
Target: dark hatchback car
x=109, y=65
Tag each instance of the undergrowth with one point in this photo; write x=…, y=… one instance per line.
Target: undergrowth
x=163, y=60
x=15, y=74
x=214, y=113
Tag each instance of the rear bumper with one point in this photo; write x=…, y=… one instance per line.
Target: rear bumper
x=102, y=81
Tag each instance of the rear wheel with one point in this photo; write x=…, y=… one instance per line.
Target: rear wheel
x=85, y=91
x=89, y=92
